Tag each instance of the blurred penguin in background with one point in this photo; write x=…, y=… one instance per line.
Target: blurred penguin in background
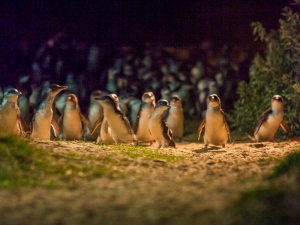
x=95, y=112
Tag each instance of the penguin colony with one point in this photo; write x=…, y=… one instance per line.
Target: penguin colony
x=160, y=122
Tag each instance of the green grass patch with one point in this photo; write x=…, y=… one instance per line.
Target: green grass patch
x=145, y=153
x=277, y=202
x=23, y=164
x=288, y=164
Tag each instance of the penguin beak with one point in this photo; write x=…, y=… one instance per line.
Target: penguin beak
x=63, y=87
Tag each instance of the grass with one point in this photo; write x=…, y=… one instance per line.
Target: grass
x=22, y=164
x=276, y=202
x=288, y=164
x=145, y=153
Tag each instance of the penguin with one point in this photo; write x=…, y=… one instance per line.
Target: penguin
x=10, y=118
x=134, y=106
x=25, y=109
x=118, y=125
x=216, y=128
x=267, y=124
x=95, y=112
x=101, y=128
x=24, y=86
x=175, y=117
x=43, y=118
x=158, y=127
x=72, y=119
x=141, y=126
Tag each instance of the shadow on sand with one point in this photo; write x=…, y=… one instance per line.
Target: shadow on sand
x=214, y=149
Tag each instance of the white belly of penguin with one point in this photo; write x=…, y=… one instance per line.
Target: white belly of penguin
x=42, y=126
x=119, y=130
x=105, y=136
x=175, y=121
x=72, y=126
x=143, y=128
x=269, y=128
x=9, y=121
x=215, y=129
x=156, y=130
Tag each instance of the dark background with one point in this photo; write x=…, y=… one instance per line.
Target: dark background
x=24, y=25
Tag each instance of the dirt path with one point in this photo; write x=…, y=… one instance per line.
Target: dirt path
x=184, y=191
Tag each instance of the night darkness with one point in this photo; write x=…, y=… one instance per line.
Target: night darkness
x=178, y=23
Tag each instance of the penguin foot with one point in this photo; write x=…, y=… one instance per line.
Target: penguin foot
x=252, y=138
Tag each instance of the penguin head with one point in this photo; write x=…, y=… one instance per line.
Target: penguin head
x=277, y=101
x=162, y=105
x=72, y=100
x=11, y=94
x=95, y=94
x=110, y=100
x=213, y=101
x=166, y=92
x=54, y=89
x=148, y=97
x=175, y=100
x=277, y=98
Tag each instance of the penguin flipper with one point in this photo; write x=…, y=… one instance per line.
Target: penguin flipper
x=260, y=121
x=55, y=127
x=85, y=121
x=98, y=123
x=136, y=125
x=107, y=129
x=200, y=128
x=127, y=123
x=24, y=128
x=167, y=132
x=60, y=118
x=285, y=126
x=226, y=126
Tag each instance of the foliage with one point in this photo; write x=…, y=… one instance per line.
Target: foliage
x=277, y=71
x=290, y=163
x=275, y=202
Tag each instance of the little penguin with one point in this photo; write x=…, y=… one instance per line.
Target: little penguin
x=267, y=124
x=175, y=117
x=43, y=120
x=118, y=124
x=95, y=112
x=142, y=122
x=134, y=106
x=72, y=119
x=10, y=118
x=158, y=127
x=216, y=128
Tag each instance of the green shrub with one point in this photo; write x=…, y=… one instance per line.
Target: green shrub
x=276, y=71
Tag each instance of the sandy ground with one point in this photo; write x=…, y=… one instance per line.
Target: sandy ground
x=187, y=191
